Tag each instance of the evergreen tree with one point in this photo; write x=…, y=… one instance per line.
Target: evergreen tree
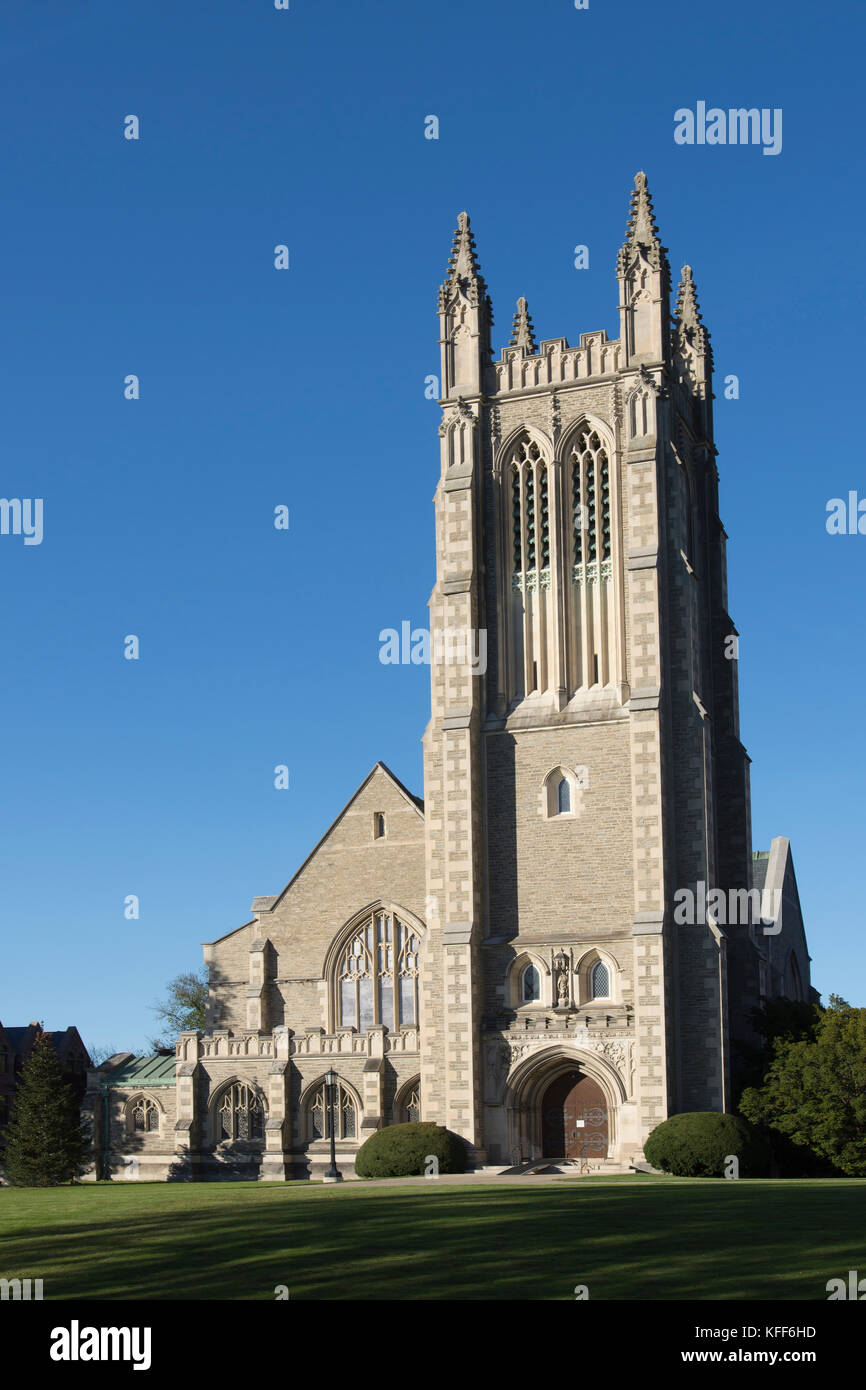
x=45, y=1144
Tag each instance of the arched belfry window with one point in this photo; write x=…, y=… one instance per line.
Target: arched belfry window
x=530, y=515
x=239, y=1114
x=590, y=616
x=377, y=975
x=590, y=487
x=529, y=483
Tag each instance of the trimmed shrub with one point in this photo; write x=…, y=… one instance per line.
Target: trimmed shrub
x=401, y=1151
x=698, y=1145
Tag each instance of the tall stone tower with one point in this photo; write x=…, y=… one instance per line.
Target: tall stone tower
x=594, y=767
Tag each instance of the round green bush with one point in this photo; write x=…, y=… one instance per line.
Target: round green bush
x=699, y=1144
x=402, y=1151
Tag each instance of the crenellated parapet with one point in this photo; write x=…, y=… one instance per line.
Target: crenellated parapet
x=553, y=364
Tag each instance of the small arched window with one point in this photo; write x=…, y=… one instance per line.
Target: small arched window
x=379, y=826
x=530, y=985
x=413, y=1105
x=344, y=1111
x=144, y=1116
x=599, y=981
x=563, y=797
x=240, y=1115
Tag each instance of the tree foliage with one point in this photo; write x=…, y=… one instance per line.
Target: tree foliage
x=183, y=1008
x=699, y=1144
x=813, y=1096
x=45, y=1143
x=403, y=1150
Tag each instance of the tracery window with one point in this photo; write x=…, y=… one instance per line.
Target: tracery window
x=412, y=1105
x=530, y=516
x=590, y=489
x=344, y=1111
x=378, y=975
x=144, y=1116
x=599, y=981
x=591, y=622
x=240, y=1114
x=528, y=478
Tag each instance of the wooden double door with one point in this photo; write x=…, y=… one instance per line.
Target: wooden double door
x=574, y=1120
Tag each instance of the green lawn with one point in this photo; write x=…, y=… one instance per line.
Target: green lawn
x=629, y=1237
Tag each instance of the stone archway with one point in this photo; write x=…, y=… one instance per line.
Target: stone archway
x=556, y=1075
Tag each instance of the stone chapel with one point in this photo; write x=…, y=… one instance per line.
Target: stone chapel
x=509, y=957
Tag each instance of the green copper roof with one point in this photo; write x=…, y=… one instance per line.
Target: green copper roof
x=143, y=1071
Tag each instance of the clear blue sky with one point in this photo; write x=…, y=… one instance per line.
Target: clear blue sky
x=306, y=388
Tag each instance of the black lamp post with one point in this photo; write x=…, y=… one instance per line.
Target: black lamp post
x=333, y=1173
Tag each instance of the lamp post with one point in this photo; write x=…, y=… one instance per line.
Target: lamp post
x=333, y=1173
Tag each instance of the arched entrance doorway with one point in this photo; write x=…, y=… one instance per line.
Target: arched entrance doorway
x=574, y=1118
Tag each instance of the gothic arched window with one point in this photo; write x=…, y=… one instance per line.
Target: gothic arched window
x=527, y=469
x=530, y=985
x=590, y=492
x=412, y=1105
x=793, y=986
x=378, y=975
x=563, y=797
x=143, y=1116
x=530, y=510
x=599, y=981
x=591, y=654
x=344, y=1111
x=240, y=1114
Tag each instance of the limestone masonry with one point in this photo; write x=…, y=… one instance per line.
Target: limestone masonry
x=504, y=957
